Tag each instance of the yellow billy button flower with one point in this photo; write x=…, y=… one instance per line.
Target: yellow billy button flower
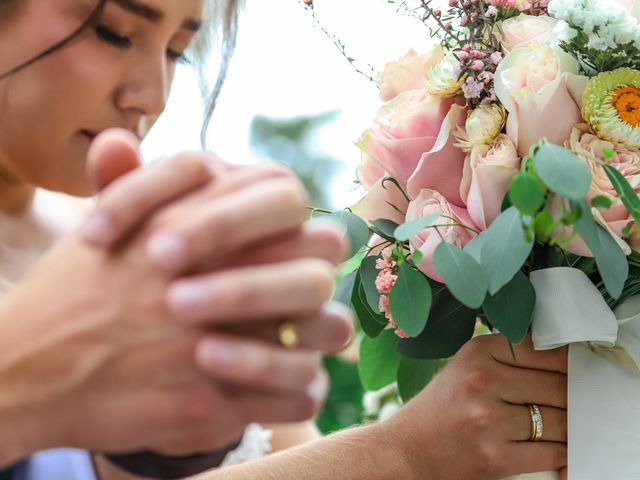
x=482, y=127
x=611, y=106
x=443, y=80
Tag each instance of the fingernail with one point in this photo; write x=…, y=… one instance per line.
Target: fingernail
x=216, y=355
x=317, y=389
x=167, y=251
x=97, y=229
x=188, y=300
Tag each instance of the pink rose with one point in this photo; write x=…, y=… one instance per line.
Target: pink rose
x=406, y=127
x=488, y=171
x=429, y=202
x=522, y=30
x=440, y=168
x=587, y=145
x=540, y=87
x=409, y=72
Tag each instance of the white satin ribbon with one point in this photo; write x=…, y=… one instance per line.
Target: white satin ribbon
x=604, y=371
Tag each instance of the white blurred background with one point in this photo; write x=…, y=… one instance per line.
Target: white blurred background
x=285, y=66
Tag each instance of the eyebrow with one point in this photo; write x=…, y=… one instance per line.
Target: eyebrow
x=152, y=14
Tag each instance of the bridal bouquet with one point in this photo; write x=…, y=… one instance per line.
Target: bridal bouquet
x=502, y=176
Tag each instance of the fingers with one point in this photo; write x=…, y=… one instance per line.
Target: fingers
x=522, y=386
x=325, y=241
x=256, y=364
x=329, y=331
x=525, y=355
x=133, y=197
x=112, y=154
x=554, y=423
x=231, y=223
x=529, y=457
x=264, y=292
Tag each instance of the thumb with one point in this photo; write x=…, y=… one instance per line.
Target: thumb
x=112, y=154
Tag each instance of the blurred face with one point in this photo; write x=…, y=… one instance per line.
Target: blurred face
x=117, y=73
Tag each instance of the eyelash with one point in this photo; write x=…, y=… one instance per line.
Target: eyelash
x=109, y=37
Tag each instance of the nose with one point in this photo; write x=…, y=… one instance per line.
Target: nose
x=146, y=86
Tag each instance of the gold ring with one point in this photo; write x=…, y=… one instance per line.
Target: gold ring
x=288, y=335
x=537, y=427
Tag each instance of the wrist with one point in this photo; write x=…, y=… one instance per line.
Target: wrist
x=405, y=446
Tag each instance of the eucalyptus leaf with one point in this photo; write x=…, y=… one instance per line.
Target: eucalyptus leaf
x=562, y=171
x=450, y=326
x=504, y=249
x=344, y=290
x=370, y=322
x=417, y=257
x=625, y=191
x=526, y=194
x=511, y=309
x=378, y=362
x=368, y=274
x=385, y=228
x=474, y=247
x=407, y=230
x=610, y=258
x=410, y=300
x=414, y=374
x=461, y=273
x=357, y=229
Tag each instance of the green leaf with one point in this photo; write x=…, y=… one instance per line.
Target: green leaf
x=410, y=300
x=562, y=171
x=378, y=364
x=610, y=258
x=368, y=275
x=526, y=194
x=407, y=230
x=371, y=323
x=450, y=326
x=504, y=249
x=461, y=273
x=344, y=289
x=357, y=229
x=414, y=374
x=417, y=257
x=625, y=191
x=602, y=201
x=511, y=309
x=474, y=247
x=385, y=228
x=543, y=225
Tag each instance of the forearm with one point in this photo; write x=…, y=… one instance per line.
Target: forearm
x=362, y=453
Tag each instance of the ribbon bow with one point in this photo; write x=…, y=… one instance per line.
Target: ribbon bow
x=604, y=371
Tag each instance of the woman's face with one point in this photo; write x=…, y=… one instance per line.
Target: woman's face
x=117, y=73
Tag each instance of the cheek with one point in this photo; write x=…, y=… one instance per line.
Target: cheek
x=42, y=110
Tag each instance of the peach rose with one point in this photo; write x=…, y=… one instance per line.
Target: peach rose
x=540, y=87
x=488, y=171
x=429, y=202
x=440, y=168
x=406, y=128
x=383, y=200
x=522, y=5
x=584, y=143
x=409, y=72
x=520, y=31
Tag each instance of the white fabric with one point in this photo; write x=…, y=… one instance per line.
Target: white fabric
x=604, y=379
x=256, y=444
x=60, y=464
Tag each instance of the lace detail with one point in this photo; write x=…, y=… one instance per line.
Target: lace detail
x=256, y=443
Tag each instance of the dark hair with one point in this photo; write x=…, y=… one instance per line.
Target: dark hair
x=219, y=24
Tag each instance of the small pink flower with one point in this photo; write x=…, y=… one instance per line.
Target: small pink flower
x=383, y=306
x=479, y=54
x=385, y=281
x=491, y=12
x=399, y=332
x=467, y=47
x=485, y=77
x=464, y=56
x=453, y=3
x=496, y=58
x=472, y=89
x=464, y=21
